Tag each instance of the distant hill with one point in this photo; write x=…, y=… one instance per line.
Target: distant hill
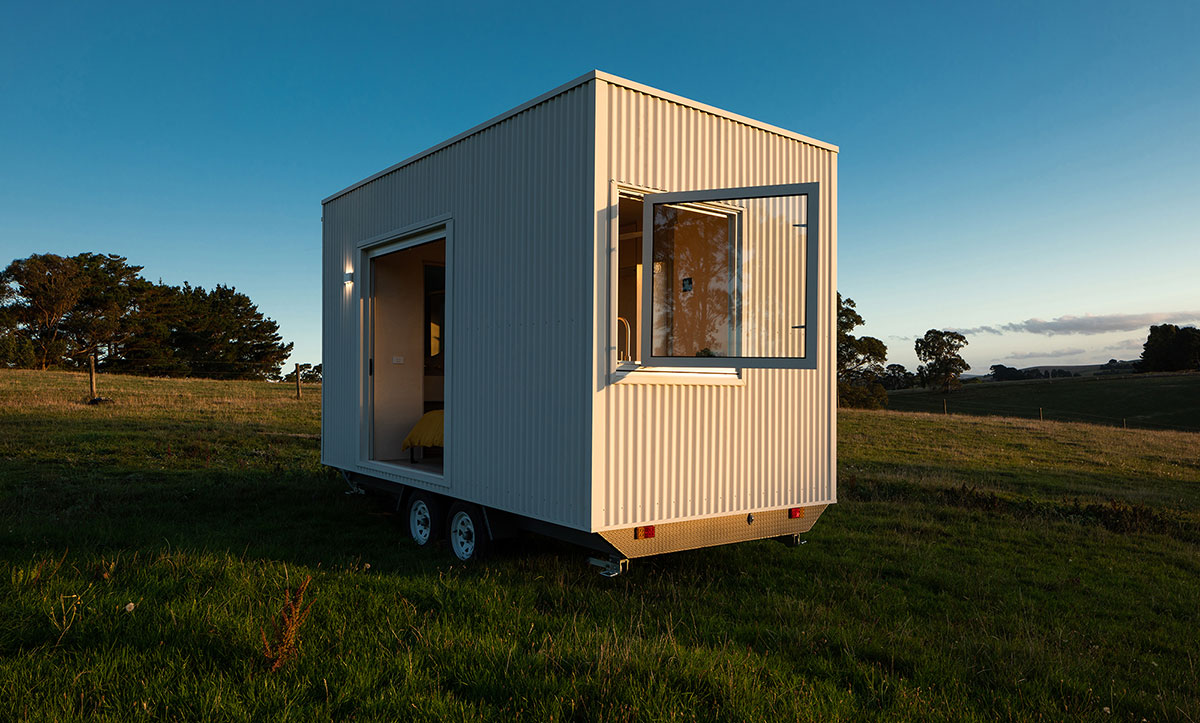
x=1112, y=366
x=1081, y=369
x=1153, y=401
x=1087, y=370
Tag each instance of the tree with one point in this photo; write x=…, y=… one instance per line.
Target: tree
x=895, y=376
x=38, y=293
x=57, y=310
x=190, y=331
x=862, y=396
x=855, y=355
x=221, y=334
x=153, y=348
x=309, y=374
x=104, y=314
x=1171, y=348
x=942, y=364
x=1002, y=373
x=16, y=351
x=859, y=361
x=1115, y=366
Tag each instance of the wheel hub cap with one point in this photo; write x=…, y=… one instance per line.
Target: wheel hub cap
x=462, y=536
x=419, y=522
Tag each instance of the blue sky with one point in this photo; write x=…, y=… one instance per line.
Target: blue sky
x=1026, y=171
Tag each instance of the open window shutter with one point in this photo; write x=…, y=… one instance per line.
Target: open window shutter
x=730, y=277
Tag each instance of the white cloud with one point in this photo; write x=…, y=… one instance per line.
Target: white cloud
x=1056, y=354
x=1137, y=342
x=1089, y=323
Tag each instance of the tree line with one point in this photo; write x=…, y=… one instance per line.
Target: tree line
x=1170, y=348
x=864, y=381
x=58, y=312
x=1001, y=373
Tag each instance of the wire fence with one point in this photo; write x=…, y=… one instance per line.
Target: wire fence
x=206, y=370
x=1050, y=414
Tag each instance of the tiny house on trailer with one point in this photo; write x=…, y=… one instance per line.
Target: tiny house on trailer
x=606, y=315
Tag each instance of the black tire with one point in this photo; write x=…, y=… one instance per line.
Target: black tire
x=424, y=518
x=466, y=531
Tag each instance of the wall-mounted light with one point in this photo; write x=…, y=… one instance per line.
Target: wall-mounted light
x=348, y=277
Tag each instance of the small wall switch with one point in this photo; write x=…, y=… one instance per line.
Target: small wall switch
x=397, y=360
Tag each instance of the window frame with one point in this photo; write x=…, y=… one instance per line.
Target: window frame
x=811, y=318
x=636, y=371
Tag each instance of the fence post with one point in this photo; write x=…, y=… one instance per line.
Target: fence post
x=1040, y=417
x=945, y=410
x=297, y=381
x=92, y=374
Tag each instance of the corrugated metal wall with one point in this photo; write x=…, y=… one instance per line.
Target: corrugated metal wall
x=521, y=197
x=668, y=452
x=538, y=426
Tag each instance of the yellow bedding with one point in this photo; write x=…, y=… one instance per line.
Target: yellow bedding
x=427, y=432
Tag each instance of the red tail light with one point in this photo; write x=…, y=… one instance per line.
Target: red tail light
x=643, y=533
x=795, y=513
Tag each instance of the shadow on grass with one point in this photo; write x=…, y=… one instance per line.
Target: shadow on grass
x=1113, y=514
x=296, y=517
x=301, y=518
x=1172, y=496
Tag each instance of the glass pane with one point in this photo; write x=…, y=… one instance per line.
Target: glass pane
x=695, y=282
x=729, y=278
x=629, y=281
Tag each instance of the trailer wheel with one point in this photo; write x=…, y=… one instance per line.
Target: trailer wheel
x=467, y=531
x=424, y=515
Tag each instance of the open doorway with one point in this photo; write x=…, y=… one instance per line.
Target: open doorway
x=408, y=356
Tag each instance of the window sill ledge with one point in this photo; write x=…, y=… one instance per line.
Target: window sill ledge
x=678, y=376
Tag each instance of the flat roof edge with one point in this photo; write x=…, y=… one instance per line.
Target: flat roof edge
x=581, y=80
x=679, y=99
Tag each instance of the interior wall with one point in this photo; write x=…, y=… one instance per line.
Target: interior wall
x=398, y=289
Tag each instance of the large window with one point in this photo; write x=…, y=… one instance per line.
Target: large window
x=695, y=299
x=725, y=278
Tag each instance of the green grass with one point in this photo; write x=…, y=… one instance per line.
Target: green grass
x=975, y=569
x=1150, y=401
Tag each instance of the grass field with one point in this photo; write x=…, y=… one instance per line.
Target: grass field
x=975, y=569
x=1151, y=401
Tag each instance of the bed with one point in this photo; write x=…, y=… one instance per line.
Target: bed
x=429, y=431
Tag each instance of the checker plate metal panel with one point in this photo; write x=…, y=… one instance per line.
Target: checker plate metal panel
x=713, y=531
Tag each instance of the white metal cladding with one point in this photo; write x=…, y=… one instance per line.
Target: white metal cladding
x=674, y=451
x=520, y=194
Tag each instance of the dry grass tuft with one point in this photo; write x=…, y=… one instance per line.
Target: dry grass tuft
x=40, y=572
x=285, y=644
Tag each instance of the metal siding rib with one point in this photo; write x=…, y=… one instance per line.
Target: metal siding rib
x=679, y=451
x=520, y=194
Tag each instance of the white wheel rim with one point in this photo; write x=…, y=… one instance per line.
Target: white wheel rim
x=420, y=522
x=462, y=535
